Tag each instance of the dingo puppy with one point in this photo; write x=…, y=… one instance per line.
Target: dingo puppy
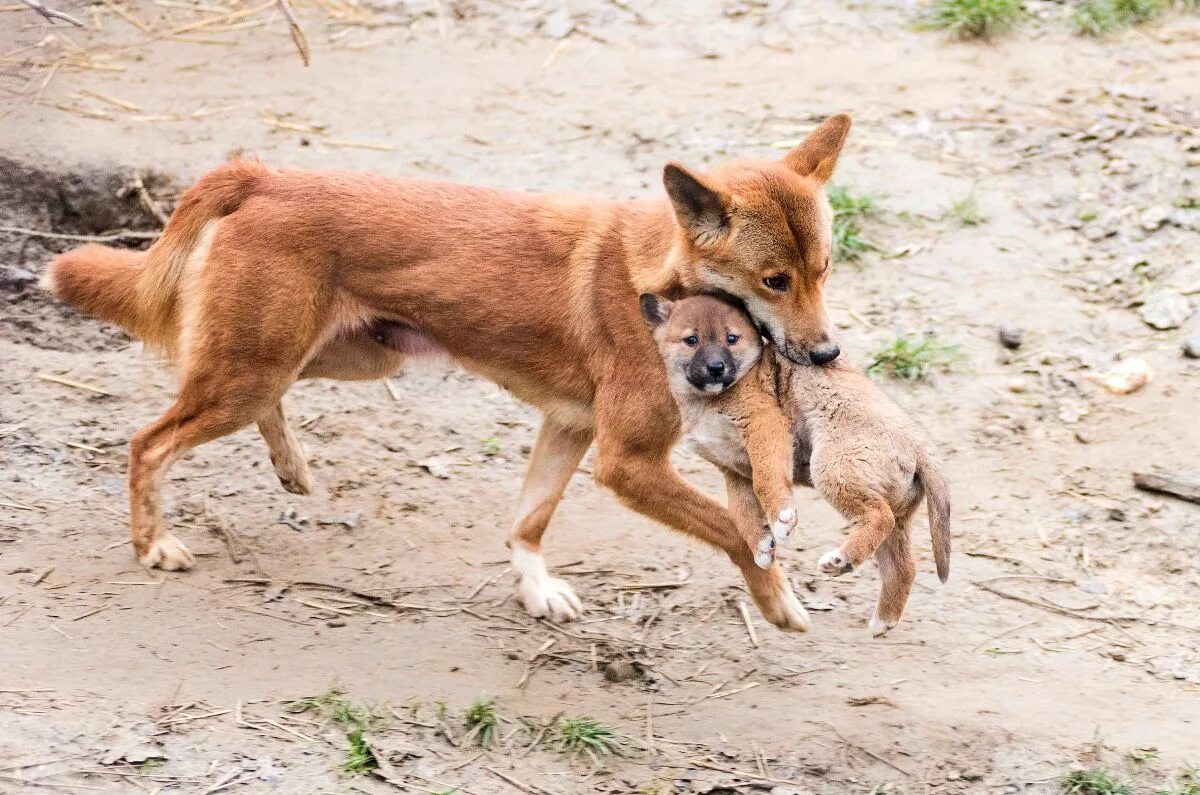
x=859, y=449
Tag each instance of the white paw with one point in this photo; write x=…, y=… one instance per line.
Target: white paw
x=542, y=595
x=783, y=525
x=878, y=626
x=834, y=562
x=168, y=553
x=550, y=598
x=764, y=553
x=793, y=618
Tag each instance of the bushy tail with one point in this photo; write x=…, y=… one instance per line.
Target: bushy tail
x=937, y=498
x=138, y=290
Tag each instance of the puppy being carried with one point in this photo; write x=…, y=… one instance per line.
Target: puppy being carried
x=859, y=449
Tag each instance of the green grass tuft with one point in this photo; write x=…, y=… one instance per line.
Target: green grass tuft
x=972, y=19
x=356, y=720
x=1188, y=783
x=848, y=211
x=1094, y=781
x=913, y=358
x=481, y=719
x=490, y=446
x=966, y=211
x=1100, y=17
x=585, y=735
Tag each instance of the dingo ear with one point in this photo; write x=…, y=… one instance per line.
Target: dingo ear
x=700, y=209
x=655, y=310
x=817, y=154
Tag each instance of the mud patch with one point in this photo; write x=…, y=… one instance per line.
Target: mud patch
x=42, y=211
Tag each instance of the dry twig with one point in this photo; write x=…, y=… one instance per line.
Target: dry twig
x=50, y=15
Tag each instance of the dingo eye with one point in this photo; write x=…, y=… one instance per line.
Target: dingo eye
x=731, y=339
x=778, y=282
x=691, y=341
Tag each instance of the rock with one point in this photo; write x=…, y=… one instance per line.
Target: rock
x=1011, y=337
x=1127, y=375
x=1017, y=384
x=1154, y=217
x=1165, y=309
x=621, y=671
x=17, y=278
x=1191, y=346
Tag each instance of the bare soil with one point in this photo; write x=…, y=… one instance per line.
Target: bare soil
x=1068, y=636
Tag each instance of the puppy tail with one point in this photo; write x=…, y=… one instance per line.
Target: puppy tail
x=139, y=290
x=937, y=498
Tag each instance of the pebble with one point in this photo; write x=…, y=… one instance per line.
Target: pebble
x=620, y=671
x=1011, y=337
x=336, y=622
x=1191, y=346
x=1165, y=309
x=1017, y=384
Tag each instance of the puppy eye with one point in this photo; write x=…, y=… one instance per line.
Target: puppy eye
x=691, y=341
x=731, y=339
x=778, y=282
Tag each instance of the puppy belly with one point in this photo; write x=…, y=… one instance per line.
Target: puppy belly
x=718, y=441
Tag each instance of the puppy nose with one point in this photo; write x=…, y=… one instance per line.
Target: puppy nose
x=716, y=368
x=824, y=353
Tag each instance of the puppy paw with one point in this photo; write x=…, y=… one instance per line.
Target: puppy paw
x=783, y=524
x=835, y=562
x=167, y=552
x=878, y=626
x=764, y=553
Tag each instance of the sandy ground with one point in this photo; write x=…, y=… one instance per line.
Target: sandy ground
x=116, y=679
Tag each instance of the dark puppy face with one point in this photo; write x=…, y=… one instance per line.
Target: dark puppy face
x=706, y=344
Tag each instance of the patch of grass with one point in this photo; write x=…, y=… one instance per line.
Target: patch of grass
x=1094, y=781
x=585, y=735
x=848, y=211
x=1142, y=754
x=356, y=720
x=966, y=211
x=972, y=19
x=1188, y=783
x=490, y=445
x=1100, y=17
x=913, y=358
x=481, y=720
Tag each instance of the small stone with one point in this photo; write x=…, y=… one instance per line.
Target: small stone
x=1165, y=309
x=1017, y=384
x=1191, y=346
x=1083, y=437
x=1011, y=337
x=1154, y=217
x=620, y=671
x=953, y=775
x=1116, y=514
x=336, y=622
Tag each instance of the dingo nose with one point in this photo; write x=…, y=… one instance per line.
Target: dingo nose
x=716, y=369
x=824, y=353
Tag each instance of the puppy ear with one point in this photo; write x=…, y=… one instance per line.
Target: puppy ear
x=817, y=155
x=655, y=310
x=703, y=211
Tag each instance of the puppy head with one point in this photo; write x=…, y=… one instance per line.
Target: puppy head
x=706, y=343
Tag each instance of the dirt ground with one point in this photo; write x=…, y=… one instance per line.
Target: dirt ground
x=1067, y=637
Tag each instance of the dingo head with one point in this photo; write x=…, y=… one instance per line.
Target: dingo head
x=761, y=232
x=706, y=343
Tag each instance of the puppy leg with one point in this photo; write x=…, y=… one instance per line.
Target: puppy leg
x=768, y=441
x=871, y=522
x=287, y=454
x=556, y=455
x=748, y=515
x=898, y=570
x=768, y=585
